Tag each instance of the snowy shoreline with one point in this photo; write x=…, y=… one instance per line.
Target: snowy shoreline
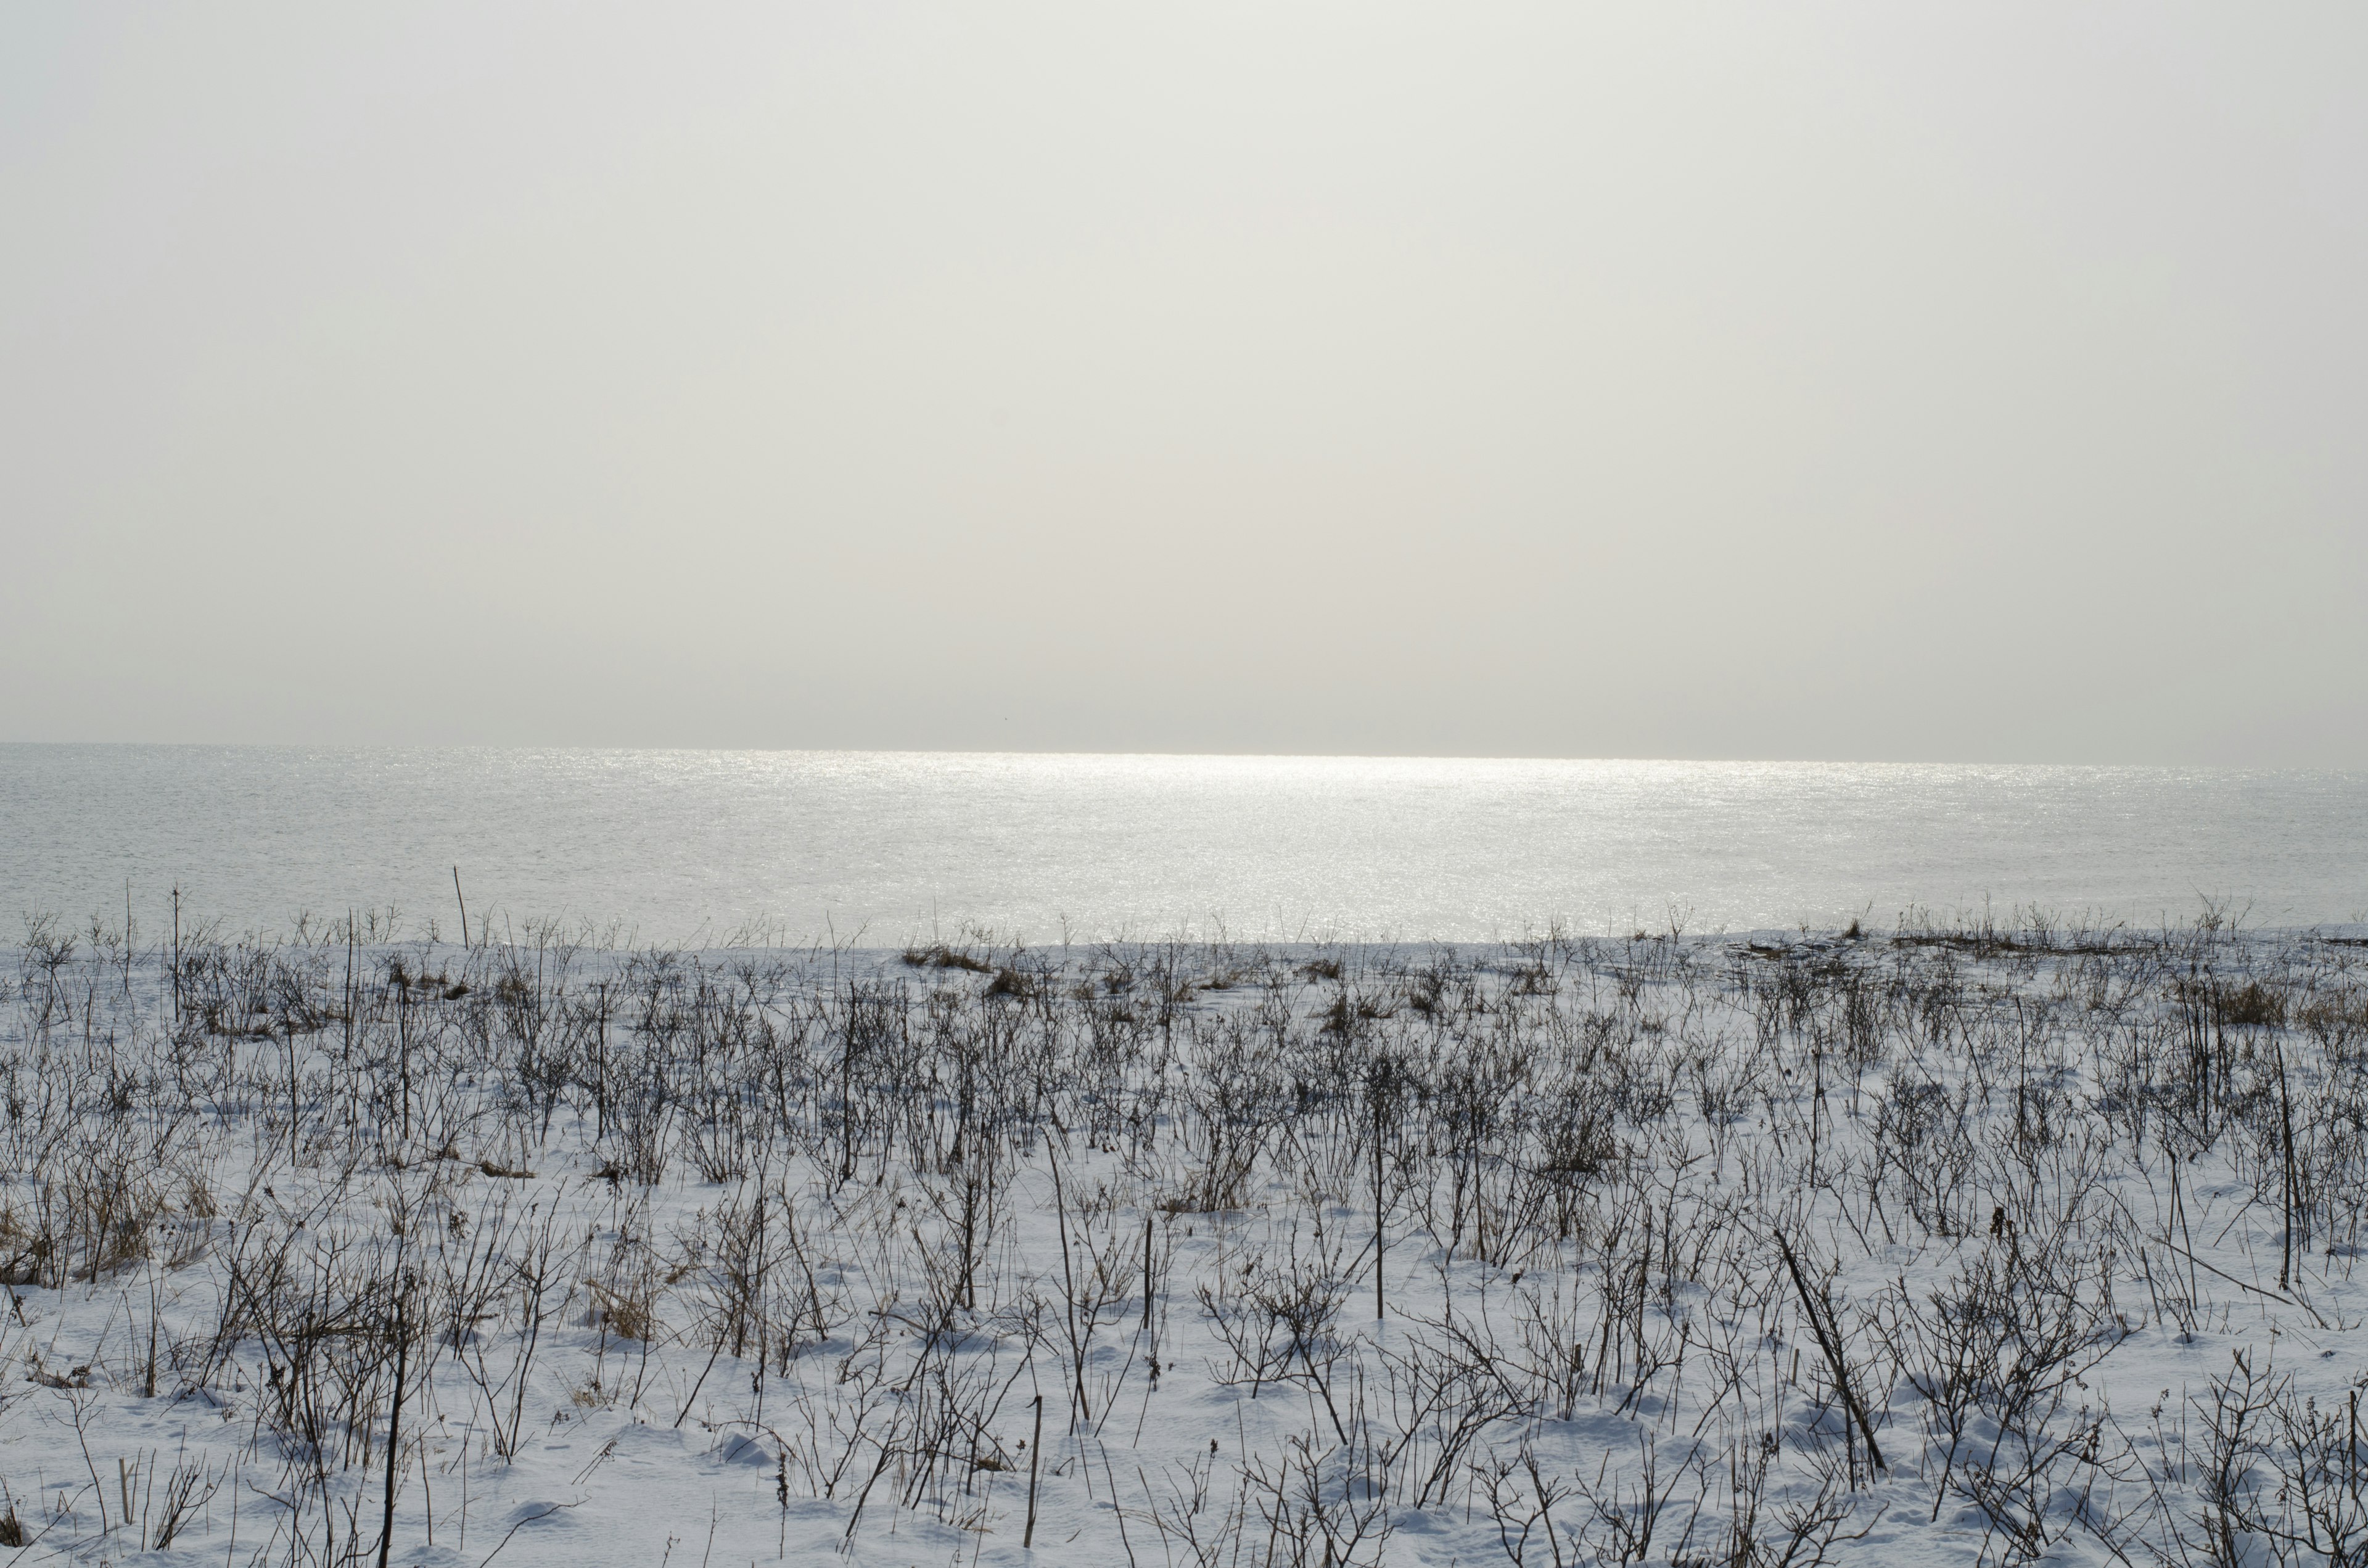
x=1952, y=1242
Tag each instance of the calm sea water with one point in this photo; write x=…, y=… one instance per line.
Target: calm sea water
x=684, y=845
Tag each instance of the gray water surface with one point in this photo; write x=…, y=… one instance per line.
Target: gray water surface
x=682, y=846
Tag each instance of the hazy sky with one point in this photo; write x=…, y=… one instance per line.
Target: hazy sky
x=1978, y=381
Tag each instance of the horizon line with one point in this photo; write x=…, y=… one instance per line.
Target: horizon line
x=1053, y=753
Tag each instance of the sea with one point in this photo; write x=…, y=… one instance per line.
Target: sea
x=887, y=849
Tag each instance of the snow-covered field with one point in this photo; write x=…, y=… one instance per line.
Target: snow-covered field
x=1938, y=1245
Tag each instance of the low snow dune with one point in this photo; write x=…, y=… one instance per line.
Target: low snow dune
x=1946, y=1244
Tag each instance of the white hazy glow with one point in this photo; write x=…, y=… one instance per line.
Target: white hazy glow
x=889, y=846
x=1864, y=380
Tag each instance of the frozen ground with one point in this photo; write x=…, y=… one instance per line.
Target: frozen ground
x=1928, y=1245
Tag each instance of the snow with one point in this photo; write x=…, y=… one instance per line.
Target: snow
x=759, y=1255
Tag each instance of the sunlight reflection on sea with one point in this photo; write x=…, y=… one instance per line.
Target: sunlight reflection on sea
x=684, y=845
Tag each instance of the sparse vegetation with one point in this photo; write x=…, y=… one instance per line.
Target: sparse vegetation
x=2025, y=1240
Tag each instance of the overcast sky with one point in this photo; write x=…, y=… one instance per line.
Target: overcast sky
x=1978, y=381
